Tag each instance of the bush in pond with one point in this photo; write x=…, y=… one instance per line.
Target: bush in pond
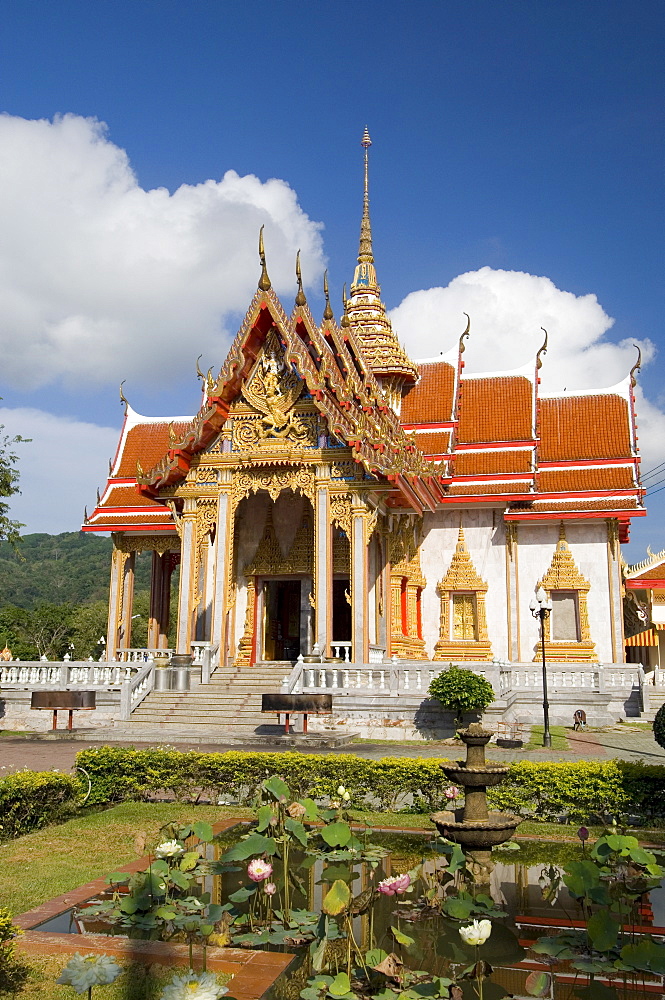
x=461, y=691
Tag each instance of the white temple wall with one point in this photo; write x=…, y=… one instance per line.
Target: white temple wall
x=588, y=545
x=484, y=533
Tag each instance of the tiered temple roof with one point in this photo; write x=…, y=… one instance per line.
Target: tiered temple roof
x=431, y=434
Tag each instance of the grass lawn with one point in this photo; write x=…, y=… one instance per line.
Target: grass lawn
x=54, y=860
x=559, y=736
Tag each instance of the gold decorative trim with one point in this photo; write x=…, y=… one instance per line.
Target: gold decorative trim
x=563, y=574
x=145, y=543
x=406, y=577
x=244, y=657
x=340, y=512
x=462, y=581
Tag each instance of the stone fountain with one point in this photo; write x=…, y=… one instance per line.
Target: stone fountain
x=474, y=827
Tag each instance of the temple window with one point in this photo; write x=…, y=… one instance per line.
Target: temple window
x=566, y=630
x=565, y=616
x=463, y=624
x=464, y=617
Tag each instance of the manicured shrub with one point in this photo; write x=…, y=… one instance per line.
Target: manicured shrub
x=579, y=792
x=461, y=691
x=659, y=726
x=32, y=799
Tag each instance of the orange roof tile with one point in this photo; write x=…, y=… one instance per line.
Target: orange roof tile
x=580, y=480
x=616, y=503
x=147, y=443
x=654, y=573
x=488, y=463
x=431, y=399
x=479, y=489
x=129, y=496
x=495, y=409
x=433, y=442
x=147, y=518
x=579, y=427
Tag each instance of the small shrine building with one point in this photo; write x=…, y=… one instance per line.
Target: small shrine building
x=332, y=492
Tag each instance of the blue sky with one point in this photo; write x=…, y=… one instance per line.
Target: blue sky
x=520, y=137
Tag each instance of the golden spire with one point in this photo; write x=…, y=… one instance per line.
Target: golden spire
x=327, y=312
x=345, y=303
x=365, y=254
x=300, y=295
x=264, y=280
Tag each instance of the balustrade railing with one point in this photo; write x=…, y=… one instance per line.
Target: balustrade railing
x=135, y=689
x=139, y=654
x=74, y=674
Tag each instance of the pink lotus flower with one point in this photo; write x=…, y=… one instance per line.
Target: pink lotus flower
x=258, y=870
x=452, y=792
x=270, y=888
x=395, y=886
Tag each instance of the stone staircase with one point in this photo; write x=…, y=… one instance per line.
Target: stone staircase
x=226, y=708
x=656, y=699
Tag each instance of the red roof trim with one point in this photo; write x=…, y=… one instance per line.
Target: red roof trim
x=565, y=515
x=583, y=463
x=496, y=445
x=638, y=584
x=446, y=425
x=165, y=529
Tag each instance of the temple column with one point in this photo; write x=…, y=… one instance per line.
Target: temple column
x=186, y=595
x=615, y=589
x=118, y=560
x=125, y=630
x=359, y=581
x=323, y=570
x=512, y=593
x=156, y=599
x=382, y=596
x=171, y=560
x=219, y=633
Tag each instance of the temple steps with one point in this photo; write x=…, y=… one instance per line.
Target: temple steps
x=230, y=704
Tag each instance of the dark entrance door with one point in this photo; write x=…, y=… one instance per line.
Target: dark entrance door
x=341, y=612
x=282, y=620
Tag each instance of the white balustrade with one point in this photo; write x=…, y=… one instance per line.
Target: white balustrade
x=342, y=650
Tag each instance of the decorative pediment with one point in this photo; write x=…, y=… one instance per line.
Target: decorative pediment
x=462, y=574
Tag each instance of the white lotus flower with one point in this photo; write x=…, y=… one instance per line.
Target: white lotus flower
x=477, y=932
x=93, y=970
x=169, y=849
x=341, y=790
x=194, y=986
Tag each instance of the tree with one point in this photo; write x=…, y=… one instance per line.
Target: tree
x=9, y=476
x=461, y=691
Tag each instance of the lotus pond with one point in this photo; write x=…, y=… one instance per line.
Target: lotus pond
x=393, y=916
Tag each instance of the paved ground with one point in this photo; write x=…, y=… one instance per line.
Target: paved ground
x=41, y=754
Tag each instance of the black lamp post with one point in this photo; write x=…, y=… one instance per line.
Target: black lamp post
x=540, y=608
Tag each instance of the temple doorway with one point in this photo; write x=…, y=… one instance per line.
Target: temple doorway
x=341, y=611
x=282, y=604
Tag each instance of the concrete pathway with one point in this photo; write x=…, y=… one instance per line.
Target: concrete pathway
x=38, y=754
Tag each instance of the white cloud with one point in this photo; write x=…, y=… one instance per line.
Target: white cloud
x=100, y=279
x=507, y=310
x=61, y=468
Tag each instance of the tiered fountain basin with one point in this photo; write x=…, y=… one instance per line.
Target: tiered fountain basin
x=474, y=827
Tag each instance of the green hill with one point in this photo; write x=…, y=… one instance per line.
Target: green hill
x=71, y=568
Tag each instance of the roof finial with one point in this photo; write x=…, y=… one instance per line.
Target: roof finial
x=264, y=280
x=327, y=312
x=543, y=350
x=462, y=345
x=123, y=398
x=345, y=302
x=365, y=254
x=637, y=366
x=301, y=299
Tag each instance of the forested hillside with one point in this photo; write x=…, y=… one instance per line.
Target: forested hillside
x=71, y=568
x=54, y=596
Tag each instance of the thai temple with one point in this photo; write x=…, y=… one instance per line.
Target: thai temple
x=340, y=512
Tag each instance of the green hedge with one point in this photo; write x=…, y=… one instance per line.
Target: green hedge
x=31, y=799
x=579, y=792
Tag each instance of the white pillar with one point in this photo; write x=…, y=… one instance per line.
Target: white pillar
x=359, y=581
x=323, y=571
x=185, y=593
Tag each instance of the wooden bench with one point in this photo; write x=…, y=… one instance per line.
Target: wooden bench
x=296, y=704
x=63, y=701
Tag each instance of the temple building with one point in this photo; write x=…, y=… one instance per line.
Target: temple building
x=333, y=495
